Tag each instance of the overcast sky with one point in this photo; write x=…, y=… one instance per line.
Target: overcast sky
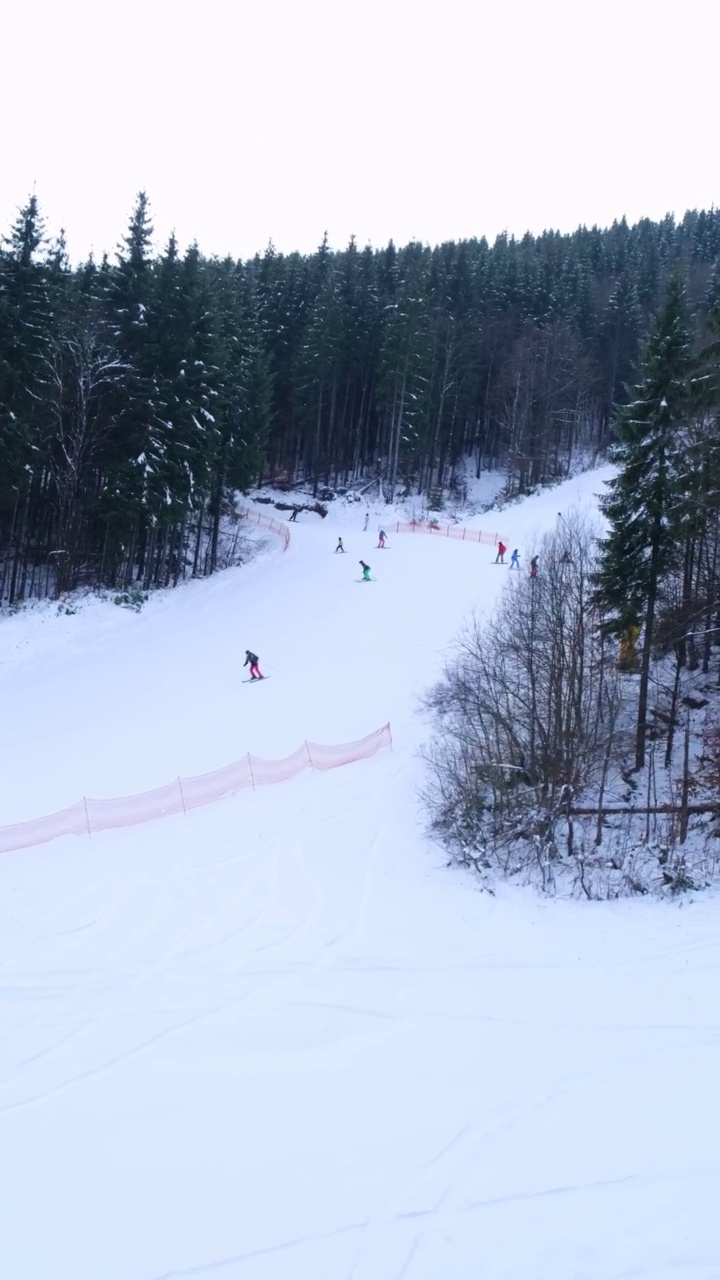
x=255, y=120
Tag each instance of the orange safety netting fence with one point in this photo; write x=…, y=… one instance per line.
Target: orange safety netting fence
x=267, y=522
x=445, y=531
x=410, y=526
x=250, y=771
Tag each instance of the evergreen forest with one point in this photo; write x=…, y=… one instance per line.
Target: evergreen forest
x=576, y=735
x=139, y=394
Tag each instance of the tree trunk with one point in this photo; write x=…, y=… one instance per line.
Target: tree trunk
x=641, y=730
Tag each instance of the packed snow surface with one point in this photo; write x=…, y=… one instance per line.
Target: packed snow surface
x=278, y=1039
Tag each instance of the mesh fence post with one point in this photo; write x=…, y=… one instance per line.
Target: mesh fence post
x=252, y=775
x=87, y=818
x=309, y=755
x=182, y=797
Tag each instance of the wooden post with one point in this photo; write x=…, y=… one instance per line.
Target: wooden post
x=685, y=782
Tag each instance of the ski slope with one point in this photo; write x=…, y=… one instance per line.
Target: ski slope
x=278, y=1039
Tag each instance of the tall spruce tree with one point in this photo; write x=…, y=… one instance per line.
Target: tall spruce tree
x=645, y=499
x=26, y=323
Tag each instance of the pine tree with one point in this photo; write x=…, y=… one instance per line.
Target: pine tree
x=645, y=501
x=134, y=495
x=242, y=394
x=404, y=369
x=26, y=328
x=618, y=342
x=25, y=316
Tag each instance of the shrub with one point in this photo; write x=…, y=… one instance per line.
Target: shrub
x=525, y=718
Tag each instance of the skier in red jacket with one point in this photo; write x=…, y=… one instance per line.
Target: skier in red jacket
x=500, y=557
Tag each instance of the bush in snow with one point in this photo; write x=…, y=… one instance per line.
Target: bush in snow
x=525, y=720
x=132, y=599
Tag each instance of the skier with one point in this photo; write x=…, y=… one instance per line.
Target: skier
x=294, y=516
x=367, y=521
x=534, y=567
x=515, y=559
x=366, y=571
x=382, y=539
x=252, y=660
x=340, y=546
x=500, y=557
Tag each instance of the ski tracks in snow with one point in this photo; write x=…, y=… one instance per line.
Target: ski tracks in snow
x=416, y=1079
x=107, y=1065
x=354, y=929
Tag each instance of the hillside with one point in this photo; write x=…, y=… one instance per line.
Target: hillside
x=278, y=1037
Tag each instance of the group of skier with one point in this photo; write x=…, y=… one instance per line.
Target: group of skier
x=382, y=540
x=251, y=659
x=515, y=559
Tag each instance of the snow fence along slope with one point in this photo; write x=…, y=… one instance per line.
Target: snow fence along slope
x=460, y=532
x=267, y=522
x=249, y=772
x=457, y=531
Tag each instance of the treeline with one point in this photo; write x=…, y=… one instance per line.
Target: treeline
x=137, y=395
x=577, y=700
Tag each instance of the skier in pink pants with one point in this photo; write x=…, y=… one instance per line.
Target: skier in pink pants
x=252, y=660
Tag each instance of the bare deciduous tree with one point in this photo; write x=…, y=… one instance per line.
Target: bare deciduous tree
x=79, y=376
x=526, y=717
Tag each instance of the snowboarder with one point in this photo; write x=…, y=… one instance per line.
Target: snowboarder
x=252, y=660
x=366, y=571
x=367, y=521
x=534, y=567
x=340, y=546
x=382, y=538
x=500, y=557
x=515, y=559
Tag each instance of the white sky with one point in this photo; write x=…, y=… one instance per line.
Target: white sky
x=251, y=120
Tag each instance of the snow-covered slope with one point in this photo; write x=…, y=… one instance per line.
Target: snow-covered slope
x=278, y=1039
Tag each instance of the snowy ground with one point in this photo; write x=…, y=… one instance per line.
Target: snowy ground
x=277, y=1039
